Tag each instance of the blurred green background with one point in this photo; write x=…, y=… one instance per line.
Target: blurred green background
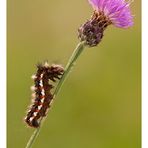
x=99, y=104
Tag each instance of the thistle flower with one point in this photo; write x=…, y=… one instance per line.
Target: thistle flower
x=106, y=12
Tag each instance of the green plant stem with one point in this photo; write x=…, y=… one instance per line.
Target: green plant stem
x=33, y=137
x=76, y=53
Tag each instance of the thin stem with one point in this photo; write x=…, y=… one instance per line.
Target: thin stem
x=33, y=137
x=76, y=53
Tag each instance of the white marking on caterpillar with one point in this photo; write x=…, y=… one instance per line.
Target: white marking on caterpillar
x=39, y=107
x=35, y=113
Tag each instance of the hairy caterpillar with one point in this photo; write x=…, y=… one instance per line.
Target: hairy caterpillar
x=42, y=96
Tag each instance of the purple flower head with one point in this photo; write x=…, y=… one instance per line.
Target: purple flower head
x=106, y=12
x=117, y=11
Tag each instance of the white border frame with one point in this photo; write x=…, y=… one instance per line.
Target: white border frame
x=3, y=73
x=144, y=74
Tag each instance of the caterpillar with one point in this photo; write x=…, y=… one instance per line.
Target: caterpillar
x=42, y=96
